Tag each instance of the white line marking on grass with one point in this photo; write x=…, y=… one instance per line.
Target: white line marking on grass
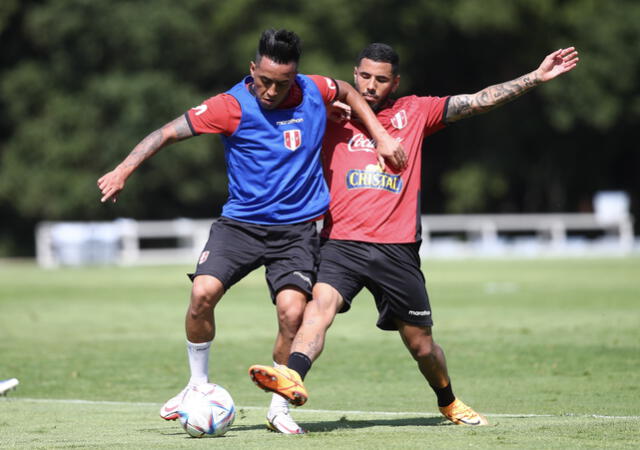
x=317, y=411
x=80, y=402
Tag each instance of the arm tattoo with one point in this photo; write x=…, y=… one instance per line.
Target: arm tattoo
x=175, y=130
x=467, y=105
x=181, y=128
x=144, y=150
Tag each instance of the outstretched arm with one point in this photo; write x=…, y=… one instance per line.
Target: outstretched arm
x=111, y=183
x=467, y=105
x=387, y=147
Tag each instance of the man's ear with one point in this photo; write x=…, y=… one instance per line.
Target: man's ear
x=396, y=83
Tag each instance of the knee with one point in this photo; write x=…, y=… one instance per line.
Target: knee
x=325, y=304
x=205, y=294
x=422, y=349
x=290, y=311
x=291, y=317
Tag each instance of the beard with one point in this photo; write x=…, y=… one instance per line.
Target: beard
x=377, y=104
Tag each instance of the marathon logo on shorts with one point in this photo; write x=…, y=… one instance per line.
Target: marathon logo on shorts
x=292, y=138
x=305, y=278
x=399, y=121
x=419, y=313
x=374, y=178
x=203, y=256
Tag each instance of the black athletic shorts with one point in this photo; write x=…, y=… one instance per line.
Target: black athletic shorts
x=391, y=272
x=288, y=252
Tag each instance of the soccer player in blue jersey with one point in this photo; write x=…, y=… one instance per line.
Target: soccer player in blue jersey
x=272, y=124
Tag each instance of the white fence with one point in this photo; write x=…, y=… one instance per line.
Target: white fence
x=123, y=241
x=130, y=242
x=569, y=234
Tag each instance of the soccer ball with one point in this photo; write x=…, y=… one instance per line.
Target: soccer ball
x=207, y=411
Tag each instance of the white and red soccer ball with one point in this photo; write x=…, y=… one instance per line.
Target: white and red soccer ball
x=207, y=411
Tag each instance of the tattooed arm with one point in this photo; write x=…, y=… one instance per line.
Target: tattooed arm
x=467, y=105
x=111, y=183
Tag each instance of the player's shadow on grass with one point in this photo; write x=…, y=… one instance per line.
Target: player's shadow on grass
x=345, y=423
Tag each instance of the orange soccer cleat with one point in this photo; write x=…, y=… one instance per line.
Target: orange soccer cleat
x=281, y=380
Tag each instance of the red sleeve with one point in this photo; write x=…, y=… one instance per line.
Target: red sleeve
x=218, y=114
x=434, y=109
x=327, y=86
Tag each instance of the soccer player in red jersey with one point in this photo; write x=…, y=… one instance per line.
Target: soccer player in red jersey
x=372, y=230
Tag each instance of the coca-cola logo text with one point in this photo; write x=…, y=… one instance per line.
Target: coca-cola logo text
x=360, y=143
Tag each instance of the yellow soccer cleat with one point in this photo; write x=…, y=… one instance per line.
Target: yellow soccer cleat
x=281, y=380
x=460, y=414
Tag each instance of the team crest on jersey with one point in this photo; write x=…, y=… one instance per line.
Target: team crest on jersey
x=292, y=138
x=399, y=120
x=372, y=177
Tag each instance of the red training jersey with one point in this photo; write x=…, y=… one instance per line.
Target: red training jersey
x=368, y=204
x=222, y=113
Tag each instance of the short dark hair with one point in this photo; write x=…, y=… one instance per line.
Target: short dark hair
x=380, y=53
x=281, y=46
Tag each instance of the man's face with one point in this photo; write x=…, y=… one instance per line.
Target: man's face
x=272, y=81
x=375, y=81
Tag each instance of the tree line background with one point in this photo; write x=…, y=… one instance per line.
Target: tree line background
x=82, y=81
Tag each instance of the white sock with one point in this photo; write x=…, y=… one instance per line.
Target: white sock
x=278, y=403
x=198, y=362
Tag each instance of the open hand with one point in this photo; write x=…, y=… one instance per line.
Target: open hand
x=557, y=63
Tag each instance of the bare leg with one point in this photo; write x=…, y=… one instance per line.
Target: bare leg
x=432, y=364
x=200, y=330
x=290, y=306
x=318, y=317
x=200, y=321
x=426, y=352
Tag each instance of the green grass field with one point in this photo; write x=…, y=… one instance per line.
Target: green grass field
x=548, y=349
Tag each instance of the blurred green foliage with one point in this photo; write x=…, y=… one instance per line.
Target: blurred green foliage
x=471, y=188
x=82, y=81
